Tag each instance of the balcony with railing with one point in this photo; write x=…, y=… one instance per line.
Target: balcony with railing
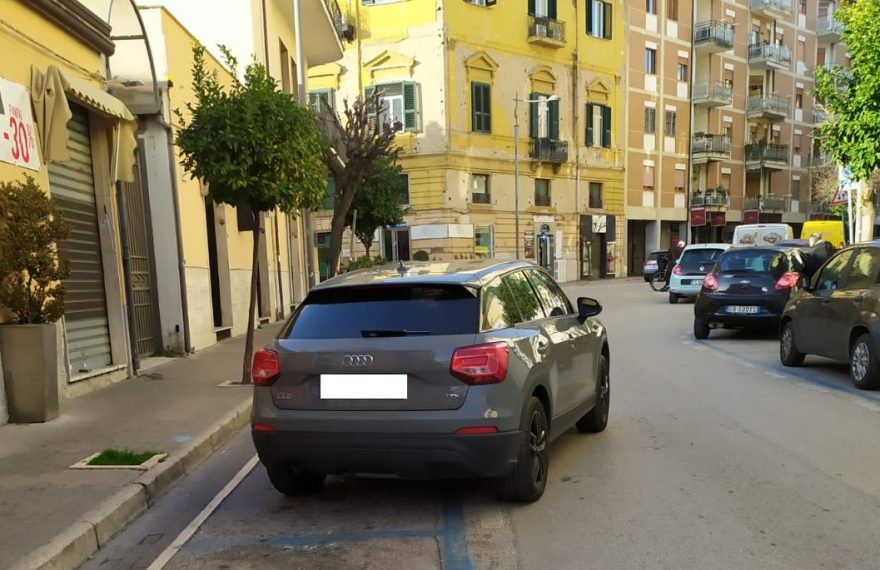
x=770, y=107
x=715, y=94
x=774, y=9
x=546, y=31
x=715, y=199
x=773, y=203
x=769, y=56
x=821, y=160
x=713, y=37
x=766, y=155
x=708, y=148
x=547, y=150
x=828, y=29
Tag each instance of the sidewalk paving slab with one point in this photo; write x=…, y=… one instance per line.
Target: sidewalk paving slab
x=52, y=516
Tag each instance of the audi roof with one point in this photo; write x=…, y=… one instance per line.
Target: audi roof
x=472, y=273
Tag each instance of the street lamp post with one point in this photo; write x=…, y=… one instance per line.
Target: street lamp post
x=516, y=102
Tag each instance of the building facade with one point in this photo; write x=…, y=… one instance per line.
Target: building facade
x=512, y=117
x=721, y=116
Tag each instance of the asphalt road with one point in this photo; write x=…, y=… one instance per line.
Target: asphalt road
x=715, y=457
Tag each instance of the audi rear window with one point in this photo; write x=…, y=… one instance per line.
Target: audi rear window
x=386, y=311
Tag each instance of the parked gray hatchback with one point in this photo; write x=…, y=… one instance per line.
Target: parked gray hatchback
x=433, y=370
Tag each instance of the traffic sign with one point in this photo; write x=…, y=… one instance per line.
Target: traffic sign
x=840, y=197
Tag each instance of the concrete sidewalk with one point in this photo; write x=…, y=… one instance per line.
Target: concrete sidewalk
x=52, y=516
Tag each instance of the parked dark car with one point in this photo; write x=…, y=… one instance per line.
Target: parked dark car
x=652, y=264
x=434, y=370
x=837, y=315
x=748, y=287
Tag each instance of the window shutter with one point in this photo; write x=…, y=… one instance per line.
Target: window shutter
x=551, y=9
x=533, y=117
x=589, y=140
x=531, y=7
x=589, y=17
x=606, y=126
x=487, y=108
x=606, y=12
x=553, y=120
x=490, y=2
x=372, y=108
x=410, y=107
x=475, y=104
x=610, y=228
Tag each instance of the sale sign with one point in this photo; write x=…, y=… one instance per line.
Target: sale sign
x=18, y=133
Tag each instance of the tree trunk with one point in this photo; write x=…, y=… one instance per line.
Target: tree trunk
x=866, y=211
x=367, y=247
x=252, y=306
x=337, y=225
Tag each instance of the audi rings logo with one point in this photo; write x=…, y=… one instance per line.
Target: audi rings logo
x=357, y=360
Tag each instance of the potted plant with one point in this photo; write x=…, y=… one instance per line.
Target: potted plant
x=31, y=228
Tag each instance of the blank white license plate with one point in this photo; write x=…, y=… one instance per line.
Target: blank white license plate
x=743, y=310
x=363, y=386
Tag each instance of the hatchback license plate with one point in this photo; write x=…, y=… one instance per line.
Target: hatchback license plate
x=743, y=309
x=363, y=386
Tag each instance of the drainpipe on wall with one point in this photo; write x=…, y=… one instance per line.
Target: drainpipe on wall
x=181, y=266
x=690, y=141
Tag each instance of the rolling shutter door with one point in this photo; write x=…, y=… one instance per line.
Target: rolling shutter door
x=73, y=187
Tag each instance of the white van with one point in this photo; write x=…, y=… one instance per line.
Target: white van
x=761, y=234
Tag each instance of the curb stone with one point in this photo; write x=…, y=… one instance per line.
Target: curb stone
x=81, y=540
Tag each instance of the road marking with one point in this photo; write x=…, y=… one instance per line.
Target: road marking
x=187, y=533
x=773, y=374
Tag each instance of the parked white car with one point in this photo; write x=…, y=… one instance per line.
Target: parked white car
x=691, y=267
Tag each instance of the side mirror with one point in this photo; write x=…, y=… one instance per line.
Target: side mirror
x=587, y=308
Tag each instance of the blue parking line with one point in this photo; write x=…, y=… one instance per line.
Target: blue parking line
x=798, y=374
x=454, y=553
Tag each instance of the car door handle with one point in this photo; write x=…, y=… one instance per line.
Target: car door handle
x=542, y=347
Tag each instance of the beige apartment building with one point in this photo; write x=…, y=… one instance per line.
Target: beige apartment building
x=721, y=116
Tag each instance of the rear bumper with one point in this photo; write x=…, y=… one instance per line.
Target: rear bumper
x=417, y=456
x=691, y=289
x=711, y=309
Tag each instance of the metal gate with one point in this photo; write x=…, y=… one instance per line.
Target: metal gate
x=141, y=269
x=73, y=187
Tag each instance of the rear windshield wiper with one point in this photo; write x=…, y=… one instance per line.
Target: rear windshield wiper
x=402, y=332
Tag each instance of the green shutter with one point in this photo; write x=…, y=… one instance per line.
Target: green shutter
x=531, y=7
x=410, y=107
x=368, y=93
x=487, y=108
x=553, y=120
x=606, y=126
x=329, y=201
x=475, y=104
x=589, y=17
x=606, y=12
x=589, y=140
x=551, y=9
x=533, y=116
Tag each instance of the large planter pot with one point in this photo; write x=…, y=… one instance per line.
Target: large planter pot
x=30, y=371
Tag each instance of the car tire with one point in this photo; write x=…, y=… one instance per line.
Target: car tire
x=527, y=481
x=596, y=419
x=788, y=352
x=863, y=366
x=673, y=298
x=293, y=483
x=701, y=330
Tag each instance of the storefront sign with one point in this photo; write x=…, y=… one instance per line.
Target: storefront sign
x=719, y=219
x=18, y=132
x=751, y=216
x=698, y=217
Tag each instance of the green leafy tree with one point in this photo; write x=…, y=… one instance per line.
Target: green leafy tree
x=255, y=148
x=851, y=100
x=377, y=201
x=31, y=229
x=356, y=140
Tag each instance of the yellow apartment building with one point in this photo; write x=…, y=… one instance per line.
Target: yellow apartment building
x=465, y=77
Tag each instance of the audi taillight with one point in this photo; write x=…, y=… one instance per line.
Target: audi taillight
x=266, y=368
x=677, y=269
x=480, y=364
x=710, y=282
x=787, y=281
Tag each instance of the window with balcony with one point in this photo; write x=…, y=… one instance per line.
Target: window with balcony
x=542, y=9
x=596, y=200
x=543, y=117
x=599, y=21
x=542, y=192
x=399, y=105
x=680, y=179
x=683, y=73
x=650, y=120
x=648, y=177
x=481, y=107
x=318, y=98
x=650, y=61
x=480, y=193
x=670, y=124
x=598, y=125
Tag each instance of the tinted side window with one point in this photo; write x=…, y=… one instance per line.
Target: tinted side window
x=386, y=310
x=500, y=310
x=829, y=277
x=524, y=296
x=863, y=273
x=554, y=301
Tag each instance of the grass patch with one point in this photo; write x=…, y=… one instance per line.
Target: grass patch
x=121, y=457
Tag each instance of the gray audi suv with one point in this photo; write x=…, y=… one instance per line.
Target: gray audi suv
x=429, y=371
